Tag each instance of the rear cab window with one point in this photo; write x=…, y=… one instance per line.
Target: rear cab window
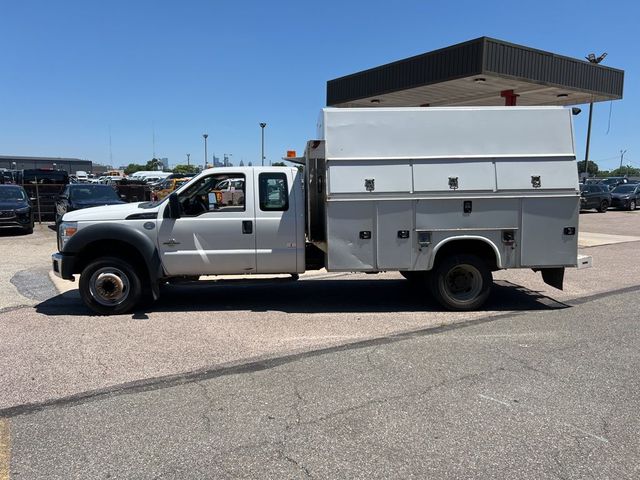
x=273, y=192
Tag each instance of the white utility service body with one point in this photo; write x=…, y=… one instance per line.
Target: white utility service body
x=444, y=174
x=443, y=195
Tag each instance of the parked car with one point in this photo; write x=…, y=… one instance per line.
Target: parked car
x=613, y=182
x=595, y=196
x=229, y=192
x=626, y=196
x=85, y=195
x=15, y=208
x=166, y=187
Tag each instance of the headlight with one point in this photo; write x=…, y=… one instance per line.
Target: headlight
x=67, y=230
x=23, y=210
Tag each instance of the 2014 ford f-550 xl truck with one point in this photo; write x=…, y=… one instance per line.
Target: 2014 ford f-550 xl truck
x=445, y=196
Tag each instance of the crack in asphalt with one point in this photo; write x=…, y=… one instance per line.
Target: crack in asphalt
x=301, y=467
x=401, y=397
x=208, y=405
x=263, y=363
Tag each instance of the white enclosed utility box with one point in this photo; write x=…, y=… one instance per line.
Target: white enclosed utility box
x=389, y=187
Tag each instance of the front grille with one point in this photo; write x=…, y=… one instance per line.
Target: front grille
x=7, y=214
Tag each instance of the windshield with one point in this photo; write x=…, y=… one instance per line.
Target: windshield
x=12, y=194
x=624, y=189
x=93, y=193
x=610, y=181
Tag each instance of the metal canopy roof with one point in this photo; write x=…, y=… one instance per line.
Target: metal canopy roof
x=475, y=73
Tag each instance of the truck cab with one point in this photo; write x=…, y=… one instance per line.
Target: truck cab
x=122, y=250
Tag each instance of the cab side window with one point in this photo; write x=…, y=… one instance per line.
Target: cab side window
x=274, y=192
x=210, y=195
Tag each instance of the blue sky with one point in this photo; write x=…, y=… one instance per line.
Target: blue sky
x=74, y=70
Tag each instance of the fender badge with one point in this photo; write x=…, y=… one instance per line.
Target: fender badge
x=149, y=225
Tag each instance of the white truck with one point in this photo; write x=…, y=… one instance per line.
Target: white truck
x=445, y=196
x=82, y=176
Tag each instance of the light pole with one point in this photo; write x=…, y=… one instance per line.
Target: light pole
x=188, y=157
x=592, y=59
x=622, y=152
x=205, y=136
x=262, y=125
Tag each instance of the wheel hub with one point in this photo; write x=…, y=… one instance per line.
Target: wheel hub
x=463, y=282
x=109, y=286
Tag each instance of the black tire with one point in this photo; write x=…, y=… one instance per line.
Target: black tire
x=28, y=230
x=473, y=282
x=415, y=276
x=604, y=206
x=110, y=286
x=632, y=205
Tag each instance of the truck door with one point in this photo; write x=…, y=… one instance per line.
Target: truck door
x=211, y=237
x=276, y=238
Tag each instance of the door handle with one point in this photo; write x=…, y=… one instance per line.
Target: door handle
x=171, y=242
x=247, y=227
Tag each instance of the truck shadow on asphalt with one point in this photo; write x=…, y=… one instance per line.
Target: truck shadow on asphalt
x=309, y=296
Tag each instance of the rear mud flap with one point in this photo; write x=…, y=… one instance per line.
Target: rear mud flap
x=553, y=276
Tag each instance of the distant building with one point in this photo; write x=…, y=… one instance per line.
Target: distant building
x=100, y=169
x=70, y=165
x=165, y=163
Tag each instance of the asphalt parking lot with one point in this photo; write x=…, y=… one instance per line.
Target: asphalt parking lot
x=53, y=351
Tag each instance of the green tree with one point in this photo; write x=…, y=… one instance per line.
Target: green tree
x=628, y=171
x=185, y=169
x=154, y=164
x=592, y=168
x=278, y=164
x=133, y=168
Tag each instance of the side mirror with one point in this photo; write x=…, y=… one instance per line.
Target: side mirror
x=174, y=206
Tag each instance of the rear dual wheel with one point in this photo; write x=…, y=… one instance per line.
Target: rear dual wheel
x=461, y=282
x=458, y=282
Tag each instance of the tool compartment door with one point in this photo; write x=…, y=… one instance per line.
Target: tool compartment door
x=395, y=235
x=544, y=241
x=351, y=236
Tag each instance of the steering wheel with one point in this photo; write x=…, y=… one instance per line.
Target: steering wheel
x=196, y=205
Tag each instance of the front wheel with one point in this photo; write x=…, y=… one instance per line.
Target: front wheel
x=604, y=206
x=461, y=282
x=110, y=286
x=632, y=205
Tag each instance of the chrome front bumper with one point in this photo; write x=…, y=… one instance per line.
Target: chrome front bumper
x=63, y=266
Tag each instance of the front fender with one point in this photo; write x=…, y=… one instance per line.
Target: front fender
x=106, y=231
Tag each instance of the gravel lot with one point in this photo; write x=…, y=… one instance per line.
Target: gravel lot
x=53, y=347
